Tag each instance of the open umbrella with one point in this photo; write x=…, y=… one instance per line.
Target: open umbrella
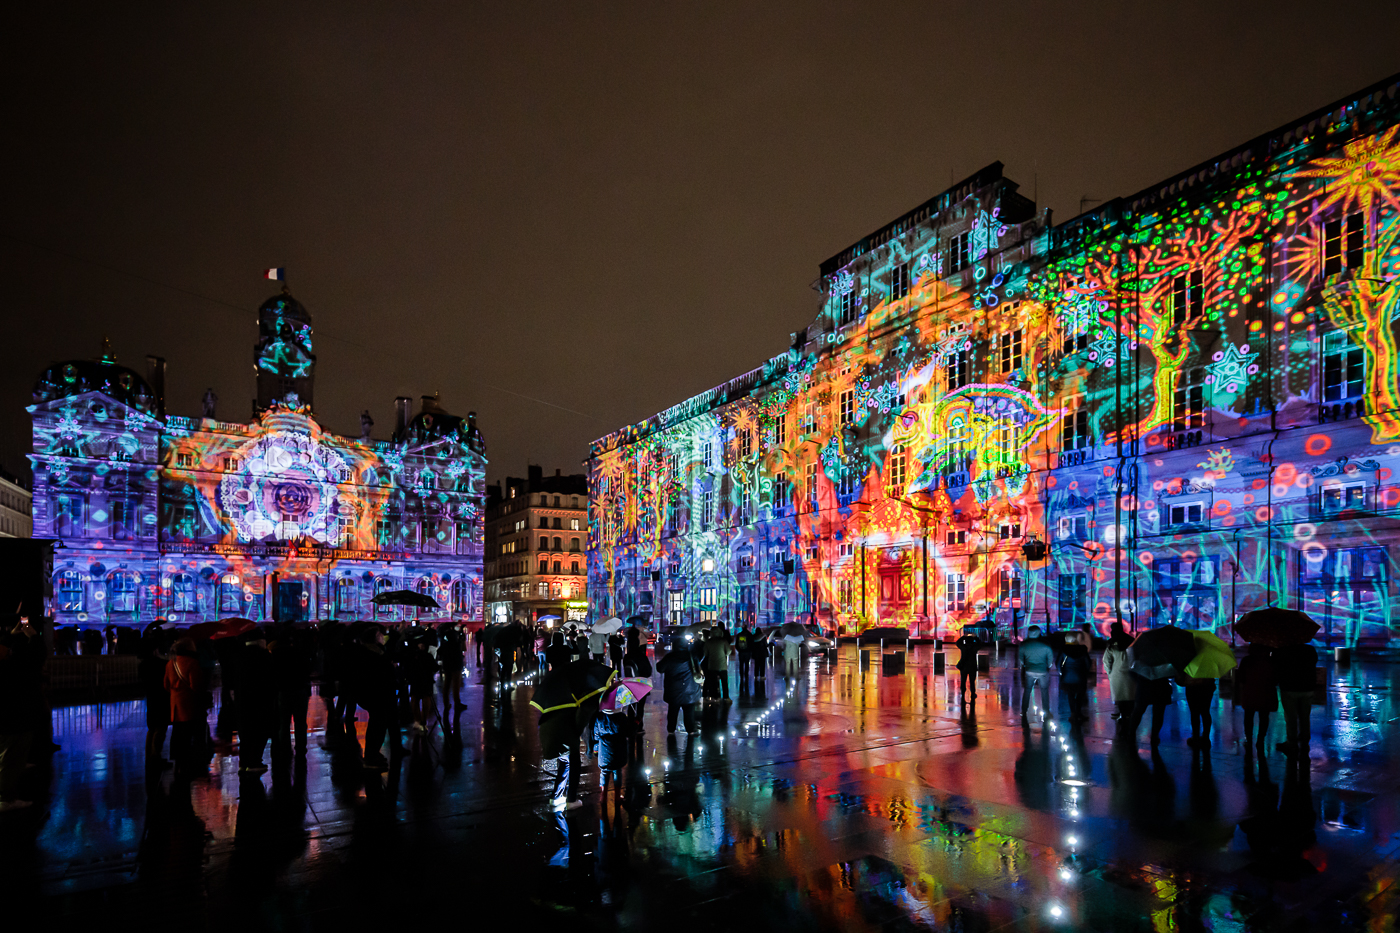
x=639, y=621
x=221, y=628
x=624, y=693
x=571, y=685
x=405, y=598
x=550, y=617
x=794, y=628
x=1276, y=626
x=608, y=626
x=1161, y=652
x=1213, y=657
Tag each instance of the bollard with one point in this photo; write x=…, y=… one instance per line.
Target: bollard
x=984, y=662
x=1341, y=655
x=938, y=661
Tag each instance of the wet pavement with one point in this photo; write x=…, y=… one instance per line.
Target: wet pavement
x=847, y=799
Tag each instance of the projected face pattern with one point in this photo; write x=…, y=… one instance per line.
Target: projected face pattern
x=1191, y=397
x=284, y=487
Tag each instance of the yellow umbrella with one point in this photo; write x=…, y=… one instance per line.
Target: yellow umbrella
x=1213, y=657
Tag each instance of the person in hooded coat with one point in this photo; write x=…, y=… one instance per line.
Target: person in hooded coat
x=184, y=678
x=1074, y=674
x=681, y=690
x=1121, y=685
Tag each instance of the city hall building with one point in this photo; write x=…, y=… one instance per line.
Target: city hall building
x=1174, y=408
x=188, y=519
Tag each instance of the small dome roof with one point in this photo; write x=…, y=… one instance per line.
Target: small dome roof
x=74, y=377
x=286, y=306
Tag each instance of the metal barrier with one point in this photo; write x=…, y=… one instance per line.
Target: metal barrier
x=92, y=673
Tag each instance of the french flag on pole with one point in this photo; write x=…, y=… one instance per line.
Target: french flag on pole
x=277, y=275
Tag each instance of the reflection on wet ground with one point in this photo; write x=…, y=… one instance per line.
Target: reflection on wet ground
x=847, y=799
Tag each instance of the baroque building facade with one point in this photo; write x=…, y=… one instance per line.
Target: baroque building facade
x=188, y=519
x=1175, y=408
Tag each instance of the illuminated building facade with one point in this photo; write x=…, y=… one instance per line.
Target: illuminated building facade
x=536, y=533
x=1177, y=407
x=189, y=519
x=16, y=507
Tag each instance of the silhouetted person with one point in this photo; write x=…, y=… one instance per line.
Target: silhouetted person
x=451, y=658
x=1121, y=686
x=373, y=682
x=291, y=670
x=1074, y=676
x=559, y=654
x=1256, y=691
x=717, y=651
x=1155, y=694
x=1200, y=692
x=968, y=646
x=616, y=649
x=184, y=678
x=681, y=690
x=1296, y=669
x=1035, y=658
x=256, y=696
x=150, y=670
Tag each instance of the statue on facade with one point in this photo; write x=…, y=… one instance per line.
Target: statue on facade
x=366, y=423
x=210, y=401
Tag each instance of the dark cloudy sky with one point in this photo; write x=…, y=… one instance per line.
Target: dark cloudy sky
x=565, y=216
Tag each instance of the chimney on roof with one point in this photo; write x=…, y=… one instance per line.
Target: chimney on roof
x=535, y=473
x=155, y=375
x=403, y=410
x=557, y=471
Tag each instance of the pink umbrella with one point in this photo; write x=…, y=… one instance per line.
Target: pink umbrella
x=624, y=693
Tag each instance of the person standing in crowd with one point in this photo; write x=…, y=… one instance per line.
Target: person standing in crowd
x=451, y=659
x=792, y=655
x=374, y=691
x=21, y=662
x=761, y=649
x=559, y=734
x=420, y=669
x=256, y=696
x=743, y=651
x=634, y=657
x=682, y=689
x=150, y=670
x=1200, y=692
x=1074, y=674
x=479, y=637
x=291, y=674
x=1035, y=657
x=1295, y=666
x=184, y=678
x=558, y=655
x=1156, y=693
x=597, y=646
x=717, y=651
x=616, y=650
x=1121, y=686
x=967, y=645
x=1256, y=691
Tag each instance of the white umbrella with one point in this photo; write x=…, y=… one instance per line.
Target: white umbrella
x=608, y=626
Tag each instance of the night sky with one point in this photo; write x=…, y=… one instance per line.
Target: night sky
x=566, y=217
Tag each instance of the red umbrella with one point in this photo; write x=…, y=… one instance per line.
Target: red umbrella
x=221, y=628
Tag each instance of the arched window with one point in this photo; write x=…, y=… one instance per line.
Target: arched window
x=573, y=568
x=230, y=595
x=558, y=567
x=544, y=566
x=347, y=596
x=182, y=597
x=121, y=591
x=383, y=585
x=459, y=596
x=72, y=595
x=428, y=587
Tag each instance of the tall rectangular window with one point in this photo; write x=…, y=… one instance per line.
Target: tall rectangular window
x=850, y=306
x=1343, y=368
x=1188, y=401
x=955, y=592
x=1009, y=350
x=121, y=522
x=780, y=429
x=68, y=514
x=959, y=368
x=899, y=281
x=1074, y=425
x=745, y=442
x=1343, y=243
x=1188, y=296
x=847, y=402
x=707, y=454
x=812, y=486
x=707, y=507
x=957, y=252
x=898, y=462
x=1010, y=585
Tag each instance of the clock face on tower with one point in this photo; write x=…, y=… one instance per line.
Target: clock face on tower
x=284, y=487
